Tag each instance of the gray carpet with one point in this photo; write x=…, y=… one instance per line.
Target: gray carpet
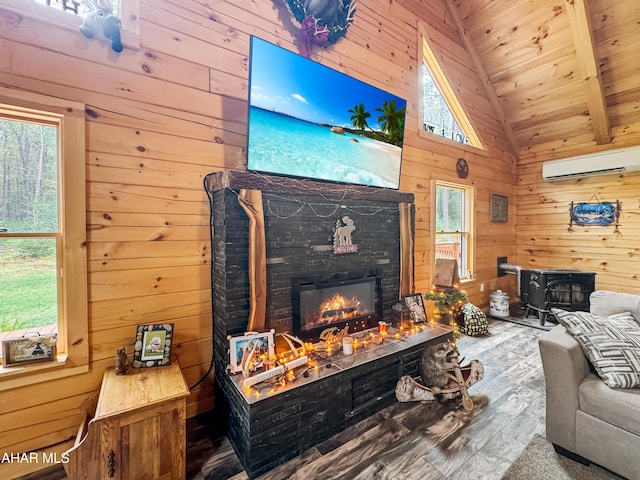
x=539, y=461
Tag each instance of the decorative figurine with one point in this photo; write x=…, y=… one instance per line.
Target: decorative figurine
x=103, y=20
x=122, y=361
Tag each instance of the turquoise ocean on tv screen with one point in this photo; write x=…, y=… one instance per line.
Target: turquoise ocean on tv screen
x=285, y=145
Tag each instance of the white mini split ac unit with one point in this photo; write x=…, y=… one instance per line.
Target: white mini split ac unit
x=600, y=163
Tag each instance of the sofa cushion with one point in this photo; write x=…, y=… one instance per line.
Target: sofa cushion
x=619, y=407
x=611, y=344
x=604, y=303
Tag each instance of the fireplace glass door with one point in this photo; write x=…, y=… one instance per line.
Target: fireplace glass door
x=319, y=303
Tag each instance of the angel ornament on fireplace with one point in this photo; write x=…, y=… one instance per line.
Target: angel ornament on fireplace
x=342, y=242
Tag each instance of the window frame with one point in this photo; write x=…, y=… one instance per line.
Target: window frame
x=129, y=12
x=73, y=321
x=468, y=223
x=427, y=57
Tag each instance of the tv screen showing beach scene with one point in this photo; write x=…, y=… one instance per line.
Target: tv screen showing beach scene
x=308, y=120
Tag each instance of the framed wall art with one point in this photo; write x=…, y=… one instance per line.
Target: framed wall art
x=249, y=352
x=152, y=346
x=498, y=208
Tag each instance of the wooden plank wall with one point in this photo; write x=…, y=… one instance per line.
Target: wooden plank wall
x=161, y=117
x=543, y=236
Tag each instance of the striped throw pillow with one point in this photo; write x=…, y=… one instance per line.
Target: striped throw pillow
x=611, y=344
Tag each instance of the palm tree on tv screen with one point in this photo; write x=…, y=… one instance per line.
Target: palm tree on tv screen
x=392, y=121
x=359, y=117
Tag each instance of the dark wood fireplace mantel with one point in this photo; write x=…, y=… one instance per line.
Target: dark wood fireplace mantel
x=238, y=180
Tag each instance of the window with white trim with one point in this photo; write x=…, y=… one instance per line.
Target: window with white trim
x=443, y=115
x=453, y=237
x=43, y=272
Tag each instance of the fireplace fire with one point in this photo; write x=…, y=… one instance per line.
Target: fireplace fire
x=335, y=300
x=337, y=309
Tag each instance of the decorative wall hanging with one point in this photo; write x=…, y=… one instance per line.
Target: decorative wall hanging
x=152, y=347
x=322, y=22
x=498, y=208
x=462, y=168
x=342, y=242
x=102, y=21
x=595, y=213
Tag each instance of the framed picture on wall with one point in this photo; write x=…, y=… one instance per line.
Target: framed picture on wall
x=498, y=208
x=152, y=347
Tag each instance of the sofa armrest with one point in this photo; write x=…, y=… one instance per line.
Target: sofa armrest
x=564, y=366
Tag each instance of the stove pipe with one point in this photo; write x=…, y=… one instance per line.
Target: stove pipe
x=512, y=270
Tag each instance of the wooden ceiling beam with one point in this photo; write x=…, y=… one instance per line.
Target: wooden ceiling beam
x=484, y=78
x=580, y=22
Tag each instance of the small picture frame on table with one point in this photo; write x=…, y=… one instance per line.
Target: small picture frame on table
x=152, y=346
x=415, y=305
x=260, y=346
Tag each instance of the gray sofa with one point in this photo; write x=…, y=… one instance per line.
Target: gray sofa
x=584, y=417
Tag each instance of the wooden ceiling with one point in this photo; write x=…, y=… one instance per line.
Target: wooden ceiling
x=564, y=74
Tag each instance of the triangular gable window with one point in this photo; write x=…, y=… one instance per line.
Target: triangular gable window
x=442, y=113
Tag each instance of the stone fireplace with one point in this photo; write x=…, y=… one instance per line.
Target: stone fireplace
x=295, y=290
x=299, y=222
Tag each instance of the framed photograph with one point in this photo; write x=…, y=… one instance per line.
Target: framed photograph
x=498, y=208
x=251, y=347
x=415, y=305
x=152, y=347
x=28, y=349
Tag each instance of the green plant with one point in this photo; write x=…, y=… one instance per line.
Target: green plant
x=447, y=301
x=11, y=324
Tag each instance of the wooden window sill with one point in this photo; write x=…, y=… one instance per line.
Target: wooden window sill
x=20, y=376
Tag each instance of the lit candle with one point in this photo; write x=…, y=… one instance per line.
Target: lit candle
x=347, y=345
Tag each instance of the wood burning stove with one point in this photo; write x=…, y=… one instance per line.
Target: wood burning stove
x=335, y=300
x=542, y=290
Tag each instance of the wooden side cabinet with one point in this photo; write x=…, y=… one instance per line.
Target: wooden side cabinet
x=138, y=429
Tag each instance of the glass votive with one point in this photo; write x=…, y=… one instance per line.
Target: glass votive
x=347, y=345
x=382, y=328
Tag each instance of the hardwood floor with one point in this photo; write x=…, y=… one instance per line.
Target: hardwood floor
x=409, y=441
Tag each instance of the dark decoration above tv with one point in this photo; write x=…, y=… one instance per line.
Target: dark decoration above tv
x=322, y=22
x=307, y=120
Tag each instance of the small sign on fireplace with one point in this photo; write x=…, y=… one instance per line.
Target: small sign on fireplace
x=342, y=242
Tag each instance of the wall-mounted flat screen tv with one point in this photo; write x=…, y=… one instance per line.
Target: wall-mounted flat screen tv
x=308, y=120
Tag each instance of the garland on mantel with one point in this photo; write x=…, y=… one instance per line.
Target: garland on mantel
x=322, y=22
